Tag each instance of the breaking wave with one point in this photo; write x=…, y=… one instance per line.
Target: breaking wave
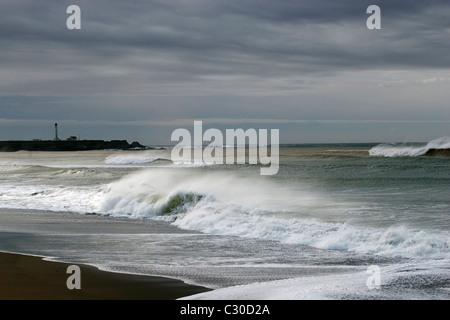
x=231, y=205
x=395, y=150
x=130, y=159
x=224, y=203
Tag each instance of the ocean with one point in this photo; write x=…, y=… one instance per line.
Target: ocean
x=338, y=221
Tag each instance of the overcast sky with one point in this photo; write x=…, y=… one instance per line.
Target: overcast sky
x=137, y=70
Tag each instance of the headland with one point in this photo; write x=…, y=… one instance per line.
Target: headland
x=68, y=145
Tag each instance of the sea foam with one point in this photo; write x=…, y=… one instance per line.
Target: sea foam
x=398, y=281
x=227, y=204
x=396, y=150
x=135, y=158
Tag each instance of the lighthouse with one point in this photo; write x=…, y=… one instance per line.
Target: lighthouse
x=56, y=132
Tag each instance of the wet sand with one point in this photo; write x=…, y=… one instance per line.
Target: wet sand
x=24, y=277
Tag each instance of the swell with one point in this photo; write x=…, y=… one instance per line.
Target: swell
x=437, y=147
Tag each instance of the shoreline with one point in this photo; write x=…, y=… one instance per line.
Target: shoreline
x=29, y=277
x=71, y=144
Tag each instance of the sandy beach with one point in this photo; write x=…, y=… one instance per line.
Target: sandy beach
x=24, y=277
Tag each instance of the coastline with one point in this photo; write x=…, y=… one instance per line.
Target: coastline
x=27, y=277
x=68, y=145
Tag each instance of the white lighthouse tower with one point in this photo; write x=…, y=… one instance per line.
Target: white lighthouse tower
x=56, y=132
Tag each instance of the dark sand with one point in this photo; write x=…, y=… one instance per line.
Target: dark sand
x=25, y=277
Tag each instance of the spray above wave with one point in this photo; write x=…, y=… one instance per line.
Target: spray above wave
x=440, y=146
x=157, y=192
x=227, y=204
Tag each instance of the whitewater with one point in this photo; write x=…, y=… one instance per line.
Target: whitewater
x=310, y=232
x=409, y=150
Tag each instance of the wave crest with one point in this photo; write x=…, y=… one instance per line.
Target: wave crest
x=394, y=150
x=231, y=205
x=130, y=159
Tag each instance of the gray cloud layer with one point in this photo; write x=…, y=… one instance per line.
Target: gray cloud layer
x=166, y=60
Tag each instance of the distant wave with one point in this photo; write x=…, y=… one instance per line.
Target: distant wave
x=437, y=147
x=137, y=158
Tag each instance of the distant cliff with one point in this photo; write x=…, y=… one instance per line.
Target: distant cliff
x=66, y=145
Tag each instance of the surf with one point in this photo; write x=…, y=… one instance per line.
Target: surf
x=436, y=147
x=223, y=203
x=129, y=159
